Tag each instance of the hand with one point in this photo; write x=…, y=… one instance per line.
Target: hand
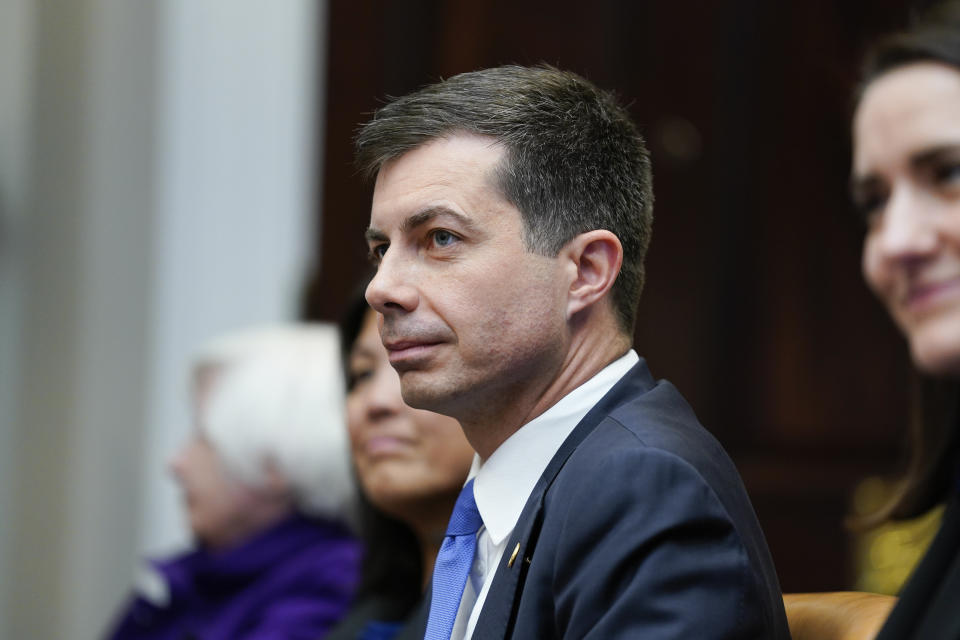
x=840, y=615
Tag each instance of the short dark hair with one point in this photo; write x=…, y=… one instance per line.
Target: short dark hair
x=574, y=160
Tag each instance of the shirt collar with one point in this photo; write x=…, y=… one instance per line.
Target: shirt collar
x=503, y=483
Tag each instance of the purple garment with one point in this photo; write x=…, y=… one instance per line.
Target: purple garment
x=293, y=581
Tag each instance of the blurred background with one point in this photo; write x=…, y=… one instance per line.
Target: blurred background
x=173, y=169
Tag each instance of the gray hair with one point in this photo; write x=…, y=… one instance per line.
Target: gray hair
x=574, y=160
x=276, y=395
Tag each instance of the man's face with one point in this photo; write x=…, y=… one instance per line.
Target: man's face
x=407, y=459
x=472, y=320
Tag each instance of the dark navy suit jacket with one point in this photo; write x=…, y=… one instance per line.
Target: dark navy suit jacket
x=640, y=527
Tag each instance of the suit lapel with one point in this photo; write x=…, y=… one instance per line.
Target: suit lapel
x=499, y=610
x=500, y=607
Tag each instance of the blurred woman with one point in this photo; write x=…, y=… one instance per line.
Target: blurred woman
x=906, y=181
x=268, y=494
x=411, y=465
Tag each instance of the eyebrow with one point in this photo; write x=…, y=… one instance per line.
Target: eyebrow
x=421, y=218
x=375, y=235
x=934, y=155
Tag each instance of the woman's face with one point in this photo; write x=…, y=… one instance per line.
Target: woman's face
x=906, y=179
x=408, y=460
x=222, y=511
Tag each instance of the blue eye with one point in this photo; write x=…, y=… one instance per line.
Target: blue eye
x=443, y=238
x=375, y=254
x=949, y=173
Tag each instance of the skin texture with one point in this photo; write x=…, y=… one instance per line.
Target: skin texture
x=221, y=511
x=906, y=179
x=411, y=463
x=836, y=616
x=478, y=327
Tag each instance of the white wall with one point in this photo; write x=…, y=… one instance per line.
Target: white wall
x=235, y=182
x=156, y=160
x=16, y=46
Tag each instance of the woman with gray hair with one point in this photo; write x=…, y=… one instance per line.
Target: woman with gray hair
x=268, y=494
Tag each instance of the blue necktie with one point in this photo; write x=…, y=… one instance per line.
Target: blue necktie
x=453, y=565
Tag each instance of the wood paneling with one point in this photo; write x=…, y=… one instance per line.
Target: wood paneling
x=754, y=305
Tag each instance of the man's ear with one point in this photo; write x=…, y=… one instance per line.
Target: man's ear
x=596, y=257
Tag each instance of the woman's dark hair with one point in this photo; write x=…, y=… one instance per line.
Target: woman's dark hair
x=934, y=36
x=392, y=573
x=934, y=445
x=351, y=323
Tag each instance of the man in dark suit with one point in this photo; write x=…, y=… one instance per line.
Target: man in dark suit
x=511, y=214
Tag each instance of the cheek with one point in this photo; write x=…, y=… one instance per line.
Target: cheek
x=511, y=308
x=195, y=479
x=875, y=273
x=209, y=510
x=357, y=425
x=950, y=227
x=355, y=420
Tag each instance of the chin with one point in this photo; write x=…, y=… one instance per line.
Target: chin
x=397, y=503
x=386, y=482
x=937, y=356
x=419, y=392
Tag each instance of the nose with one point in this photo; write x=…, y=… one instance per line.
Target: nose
x=178, y=463
x=175, y=463
x=392, y=289
x=908, y=232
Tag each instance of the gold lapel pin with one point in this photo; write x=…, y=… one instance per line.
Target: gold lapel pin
x=513, y=556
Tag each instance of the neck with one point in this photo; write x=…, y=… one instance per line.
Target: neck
x=256, y=522
x=487, y=427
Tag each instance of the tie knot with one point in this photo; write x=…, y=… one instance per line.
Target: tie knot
x=465, y=519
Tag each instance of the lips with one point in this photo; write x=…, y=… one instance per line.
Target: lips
x=922, y=297
x=385, y=445
x=927, y=296
x=404, y=345
x=409, y=346
x=409, y=353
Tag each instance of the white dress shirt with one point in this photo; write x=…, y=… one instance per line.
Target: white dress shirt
x=502, y=484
